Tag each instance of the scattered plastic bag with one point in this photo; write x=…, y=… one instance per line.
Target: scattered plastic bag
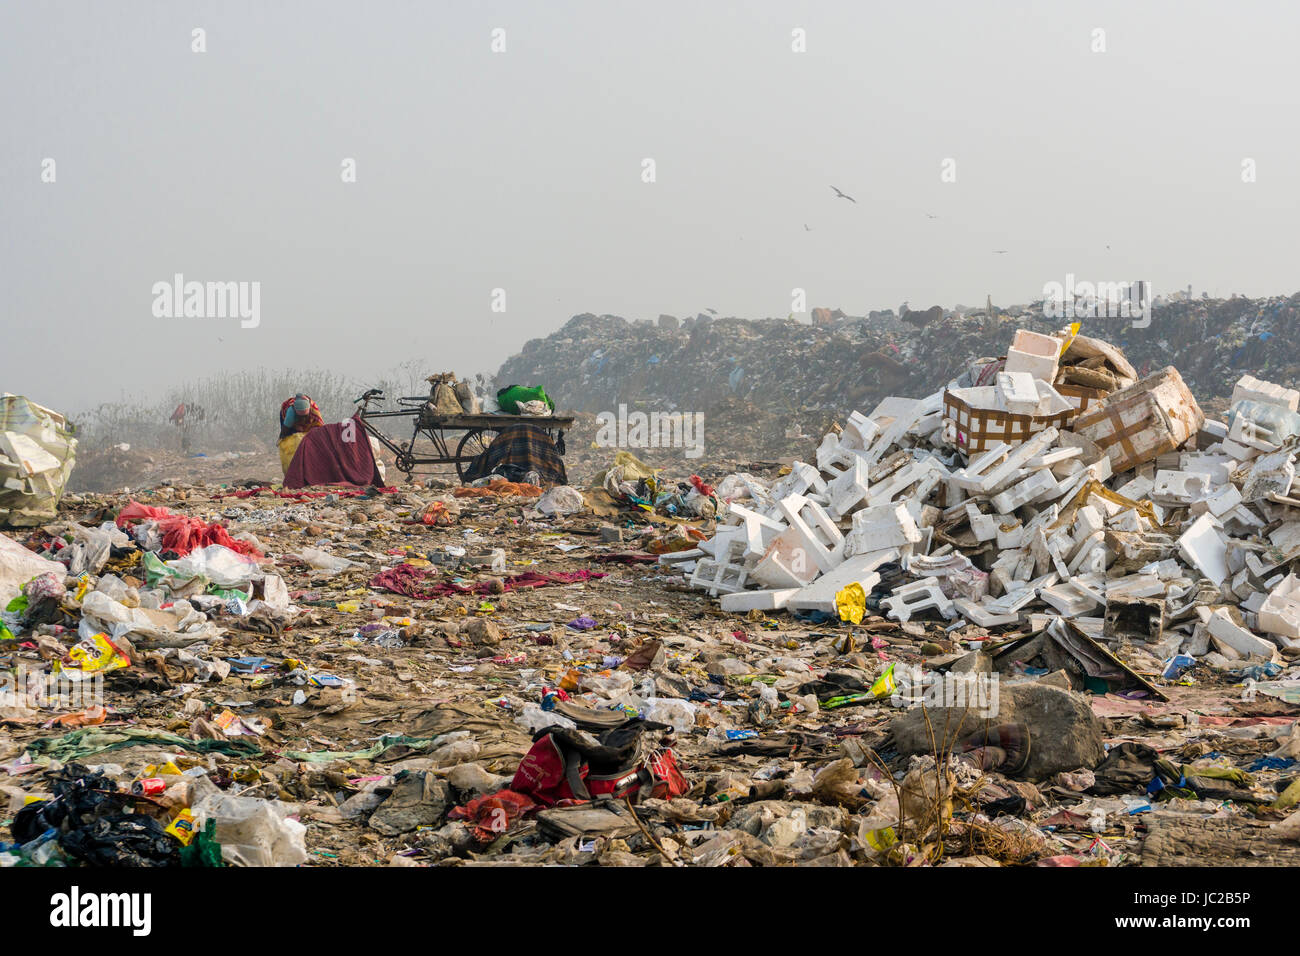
x=324, y=561
x=253, y=832
x=561, y=500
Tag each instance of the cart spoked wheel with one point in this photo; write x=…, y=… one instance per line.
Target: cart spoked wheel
x=405, y=462
x=473, y=444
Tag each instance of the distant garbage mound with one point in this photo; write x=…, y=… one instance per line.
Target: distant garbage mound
x=796, y=370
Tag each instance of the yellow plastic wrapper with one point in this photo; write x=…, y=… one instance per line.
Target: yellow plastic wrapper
x=885, y=685
x=182, y=828
x=851, y=602
x=95, y=655
x=881, y=840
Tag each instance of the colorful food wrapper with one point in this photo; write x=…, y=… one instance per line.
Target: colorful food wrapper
x=95, y=655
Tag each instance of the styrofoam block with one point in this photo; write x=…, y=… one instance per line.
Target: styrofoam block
x=916, y=597
x=1218, y=467
x=1036, y=487
x=717, y=577
x=901, y=480
x=1087, y=522
x=1011, y=535
x=787, y=563
x=1225, y=631
x=1241, y=452
x=1015, y=601
x=1271, y=474
x=1042, y=553
x=895, y=416
x=1101, y=469
x=1180, y=487
x=1057, y=456
x=1011, y=465
x=1215, y=428
x=984, y=527
x=1286, y=538
x=1013, y=569
x=933, y=475
x=859, y=569
x=1038, y=355
x=803, y=478
x=1084, y=549
x=1280, y=611
x=1202, y=546
x=1219, y=503
x=722, y=540
x=884, y=526
x=860, y=431
x=972, y=476
x=1136, y=489
x=822, y=538
x=980, y=616
x=741, y=602
x=828, y=450
x=1067, y=599
x=848, y=490
x=759, y=530
x=1127, y=520
x=1243, y=431
x=1135, y=586
x=1091, y=584
x=681, y=557
x=1018, y=393
x=1242, y=515
x=959, y=575
x=1251, y=389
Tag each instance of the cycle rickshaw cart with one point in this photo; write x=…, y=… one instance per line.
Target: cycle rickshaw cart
x=439, y=431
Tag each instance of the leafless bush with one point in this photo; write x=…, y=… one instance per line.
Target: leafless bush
x=239, y=409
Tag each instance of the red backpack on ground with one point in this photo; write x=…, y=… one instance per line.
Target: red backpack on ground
x=564, y=767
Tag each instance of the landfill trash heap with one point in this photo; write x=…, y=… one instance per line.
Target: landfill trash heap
x=1044, y=616
x=1118, y=507
x=756, y=378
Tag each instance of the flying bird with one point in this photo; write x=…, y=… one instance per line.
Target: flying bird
x=999, y=252
x=841, y=195
x=711, y=311
x=805, y=228
x=930, y=216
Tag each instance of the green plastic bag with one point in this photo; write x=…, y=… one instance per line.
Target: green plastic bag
x=204, y=850
x=511, y=397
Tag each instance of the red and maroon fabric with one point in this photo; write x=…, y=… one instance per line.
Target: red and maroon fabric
x=333, y=454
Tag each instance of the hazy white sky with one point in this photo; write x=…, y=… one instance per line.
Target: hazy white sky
x=522, y=170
